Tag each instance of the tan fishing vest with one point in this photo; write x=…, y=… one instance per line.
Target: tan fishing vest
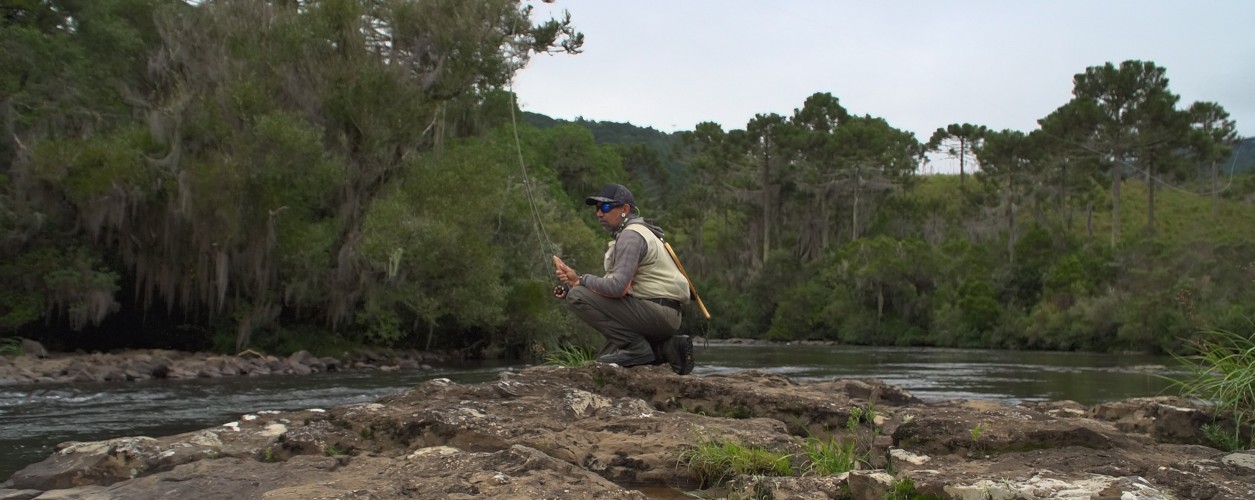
x=657, y=276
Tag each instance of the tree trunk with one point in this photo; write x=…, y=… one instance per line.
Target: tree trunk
x=1063, y=200
x=1089, y=219
x=962, y=161
x=1115, y=198
x=824, y=218
x=880, y=303
x=766, y=199
x=858, y=181
x=1150, y=203
x=1215, y=189
x=8, y=136
x=1011, y=220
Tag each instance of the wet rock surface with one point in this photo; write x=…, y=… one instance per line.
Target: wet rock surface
x=608, y=432
x=38, y=366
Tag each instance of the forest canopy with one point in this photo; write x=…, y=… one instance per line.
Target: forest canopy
x=283, y=174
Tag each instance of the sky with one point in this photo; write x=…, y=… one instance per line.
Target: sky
x=920, y=65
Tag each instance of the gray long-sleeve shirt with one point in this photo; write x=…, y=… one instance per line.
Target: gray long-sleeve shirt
x=629, y=249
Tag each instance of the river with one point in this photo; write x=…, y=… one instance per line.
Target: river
x=34, y=418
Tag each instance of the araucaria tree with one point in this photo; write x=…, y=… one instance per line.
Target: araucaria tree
x=1135, y=118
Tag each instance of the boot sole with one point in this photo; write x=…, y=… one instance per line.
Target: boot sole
x=686, y=355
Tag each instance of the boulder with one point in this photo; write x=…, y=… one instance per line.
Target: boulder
x=1165, y=418
x=33, y=348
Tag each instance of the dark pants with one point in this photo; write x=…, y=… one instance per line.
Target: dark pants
x=631, y=325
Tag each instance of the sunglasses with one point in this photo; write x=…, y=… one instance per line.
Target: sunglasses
x=607, y=206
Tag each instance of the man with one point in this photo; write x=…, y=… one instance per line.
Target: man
x=637, y=305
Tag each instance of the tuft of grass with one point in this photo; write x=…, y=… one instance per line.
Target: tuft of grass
x=11, y=346
x=1222, y=373
x=978, y=447
x=831, y=456
x=714, y=461
x=834, y=456
x=1222, y=439
x=570, y=357
x=332, y=450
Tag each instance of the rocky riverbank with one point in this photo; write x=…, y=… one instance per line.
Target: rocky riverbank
x=36, y=365
x=608, y=432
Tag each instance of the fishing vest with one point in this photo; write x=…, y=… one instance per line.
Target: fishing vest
x=657, y=276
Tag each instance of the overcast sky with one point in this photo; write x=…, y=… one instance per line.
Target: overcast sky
x=918, y=64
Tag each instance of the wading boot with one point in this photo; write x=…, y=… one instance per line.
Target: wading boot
x=678, y=352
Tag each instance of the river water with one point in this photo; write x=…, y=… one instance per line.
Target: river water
x=34, y=418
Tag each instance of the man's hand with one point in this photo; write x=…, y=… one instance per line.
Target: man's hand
x=565, y=273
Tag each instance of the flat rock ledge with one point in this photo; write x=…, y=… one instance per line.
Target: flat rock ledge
x=607, y=432
x=38, y=366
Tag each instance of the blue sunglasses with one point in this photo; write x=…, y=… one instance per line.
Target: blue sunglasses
x=608, y=206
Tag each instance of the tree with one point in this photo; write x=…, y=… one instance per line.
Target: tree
x=1005, y=157
x=875, y=158
x=819, y=171
x=268, y=130
x=1212, y=137
x=1064, y=141
x=1133, y=105
x=769, y=146
x=959, y=141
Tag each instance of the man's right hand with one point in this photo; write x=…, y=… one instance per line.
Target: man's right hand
x=565, y=273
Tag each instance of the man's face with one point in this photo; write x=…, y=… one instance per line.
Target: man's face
x=610, y=220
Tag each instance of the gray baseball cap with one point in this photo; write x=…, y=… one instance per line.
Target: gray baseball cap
x=613, y=193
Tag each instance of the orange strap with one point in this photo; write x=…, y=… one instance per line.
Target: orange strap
x=692, y=289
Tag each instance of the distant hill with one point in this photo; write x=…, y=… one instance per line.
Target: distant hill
x=653, y=174
x=611, y=132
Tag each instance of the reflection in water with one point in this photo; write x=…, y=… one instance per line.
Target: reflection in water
x=34, y=418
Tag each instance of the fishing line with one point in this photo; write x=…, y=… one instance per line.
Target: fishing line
x=542, y=236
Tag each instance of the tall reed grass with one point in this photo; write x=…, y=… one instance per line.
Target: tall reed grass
x=1222, y=373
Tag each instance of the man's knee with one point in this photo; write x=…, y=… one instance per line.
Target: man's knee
x=578, y=294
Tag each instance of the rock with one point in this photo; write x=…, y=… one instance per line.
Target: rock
x=869, y=485
x=789, y=488
x=515, y=472
x=978, y=428
x=874, y=391
x=19, y=494
x=1165, y=418
x=1059, y=409
x=407, y=364
x=598, y=431
x=276, y=365
x=80, y=464
x=1043, y=486
x=900, y=459
x=306, y=360
x=1243, y=462
x=33, y=348
x=329, y=363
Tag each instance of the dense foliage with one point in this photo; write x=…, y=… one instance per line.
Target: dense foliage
x=286, y=174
